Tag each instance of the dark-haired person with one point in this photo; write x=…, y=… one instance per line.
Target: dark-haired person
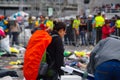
x=107, y=30
x=98, y=24
x=15, y=30
x=56, y=49
x=42, y=23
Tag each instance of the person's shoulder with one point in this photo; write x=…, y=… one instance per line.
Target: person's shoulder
x=55, y=36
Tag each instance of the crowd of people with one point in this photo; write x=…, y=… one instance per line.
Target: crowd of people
x=108, y=8
x=82, y=31
x=91, y=30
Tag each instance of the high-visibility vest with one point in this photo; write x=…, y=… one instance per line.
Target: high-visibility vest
x=76, y=24
x=37, y=23
x=118, y=23
x=99, y=21
x=49, y=24
x=30, y=21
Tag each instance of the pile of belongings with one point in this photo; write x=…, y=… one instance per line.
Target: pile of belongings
x=6, y=50
x=76, y=58
x=4, y=72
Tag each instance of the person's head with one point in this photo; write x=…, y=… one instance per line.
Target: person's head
x=51, y=18
x=107, y=22
x=82, y=19
x=113, y=18
x=42, y=18
x=46, y=17
x=77, y=17
x=71, y=20
x=90, y=17
x=118, y=17
x=60, y=27
x=99, y=14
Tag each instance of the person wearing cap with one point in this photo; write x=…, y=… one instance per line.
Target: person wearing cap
x=89, y=30
x=98, y=24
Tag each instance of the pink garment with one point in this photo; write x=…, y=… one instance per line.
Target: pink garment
x=2, y=33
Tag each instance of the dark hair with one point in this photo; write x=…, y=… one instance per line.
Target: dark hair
x=107, y=21
x=42, y=16
x=99, y=13
x=77, y=16
x=59, y=25
x=118, y=17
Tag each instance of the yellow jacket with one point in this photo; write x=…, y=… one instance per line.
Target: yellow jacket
x=50, y=24
x=76, y=24
x=37, y=23
x=99, y=21
x=118, y=23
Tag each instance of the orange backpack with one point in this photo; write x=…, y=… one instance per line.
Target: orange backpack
x=36, y=47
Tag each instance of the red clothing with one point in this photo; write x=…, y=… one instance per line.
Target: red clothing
x=43, y=27
x=106, y=31
x=2, y=33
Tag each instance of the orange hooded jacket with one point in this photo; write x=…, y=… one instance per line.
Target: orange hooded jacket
x=36, y=47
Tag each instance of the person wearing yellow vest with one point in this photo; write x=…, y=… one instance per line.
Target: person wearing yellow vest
x=117, y=23
x=50, y=24
x=30, y=20
x=98, y=24
x=75, y=26
x=37, y=23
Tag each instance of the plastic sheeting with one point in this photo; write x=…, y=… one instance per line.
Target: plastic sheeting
x=4, y=44
x=24, y=36
x=6, y=78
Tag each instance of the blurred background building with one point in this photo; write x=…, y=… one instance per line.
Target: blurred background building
x=58, y=8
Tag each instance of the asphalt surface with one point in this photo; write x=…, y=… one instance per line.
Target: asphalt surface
x=5, y=61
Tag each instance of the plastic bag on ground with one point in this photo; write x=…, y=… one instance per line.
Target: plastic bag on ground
x=70, y=77
x=24, y=36
x=6, y=78
x=4, y=44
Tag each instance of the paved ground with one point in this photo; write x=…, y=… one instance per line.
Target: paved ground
x=4, y=61
x=4, y=64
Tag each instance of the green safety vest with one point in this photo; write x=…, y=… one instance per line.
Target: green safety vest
x=99, y=21
x=50, y=24
x=118, y=23
x=76, y=24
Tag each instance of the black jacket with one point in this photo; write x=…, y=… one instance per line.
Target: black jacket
x=56, y=50
x=89, y=25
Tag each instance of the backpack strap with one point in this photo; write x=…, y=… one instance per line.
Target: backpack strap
x=54, y=35
x=44, y=56
x=49, y=56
